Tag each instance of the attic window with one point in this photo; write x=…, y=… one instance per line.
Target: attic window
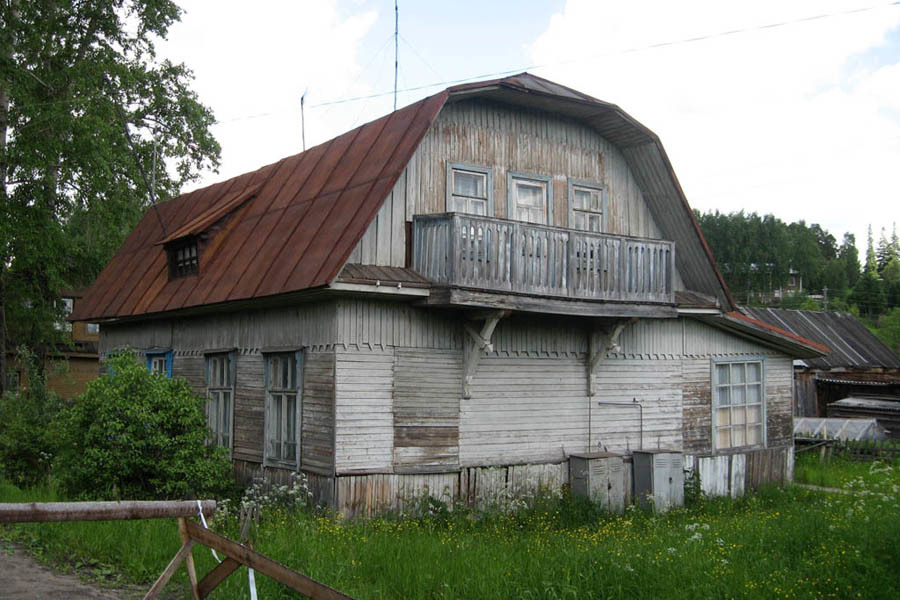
x=183, y=257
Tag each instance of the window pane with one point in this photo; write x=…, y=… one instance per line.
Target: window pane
x=468, y=184
x=754, y=414
x=754, y=393
x=737, y=437
x=737, y=373
x=723, y=394
x=754, y=371
x=530, y=194
x=754, y=435
x=594, y=221
x=290, y=416
x=582, y=199
x=458, y=204
x=722, y=374
x=738, y=416
x=738, y=395
x=478, y=207
x=723, y=440
x=723, y=417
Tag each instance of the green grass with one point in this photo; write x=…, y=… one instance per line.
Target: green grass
x=790, y=543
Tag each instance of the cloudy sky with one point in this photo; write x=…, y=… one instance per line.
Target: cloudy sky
x=789, y=108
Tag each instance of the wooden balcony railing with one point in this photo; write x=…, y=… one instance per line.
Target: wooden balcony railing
x=485, y=253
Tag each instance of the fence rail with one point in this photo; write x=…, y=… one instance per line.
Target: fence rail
x=511, y=256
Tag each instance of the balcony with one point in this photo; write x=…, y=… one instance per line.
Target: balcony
x=511, y=257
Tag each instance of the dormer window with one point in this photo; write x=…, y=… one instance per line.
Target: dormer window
x=183, y=257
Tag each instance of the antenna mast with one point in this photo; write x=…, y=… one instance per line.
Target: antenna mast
x=303, y=120
x=396, y=48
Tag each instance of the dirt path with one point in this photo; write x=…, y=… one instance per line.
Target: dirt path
x=22, y=578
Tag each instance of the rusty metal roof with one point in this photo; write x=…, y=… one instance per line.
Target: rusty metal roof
x=292, y=225
x=851, y=344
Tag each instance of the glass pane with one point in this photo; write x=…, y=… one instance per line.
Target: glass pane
x=723, y=417
x=737, y=373
x=754, y=435
x=722, y=374
x=596, y=204
x=723, y=439
x=478, y=207
x=530, y=194
x=754, y=371
x=290, y=416
x=737, y=437
x=458, y=204
x=277, y=418
x=290, y=451
x=723, y=395
x=754, y=414
x=738, y=416
x=579, y=221
x=754, y=393
x=212, y=414
x=468, y=184
x=594, y=221
x=738, y=395
x=582, y=199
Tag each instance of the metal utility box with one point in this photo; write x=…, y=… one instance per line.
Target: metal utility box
x=601, y=477
x=658, y=478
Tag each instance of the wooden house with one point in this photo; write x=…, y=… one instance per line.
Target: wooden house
x=454, y=299
x=858, y=365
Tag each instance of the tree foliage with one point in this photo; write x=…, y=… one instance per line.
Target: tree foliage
x=93, y=126
x=138, y=435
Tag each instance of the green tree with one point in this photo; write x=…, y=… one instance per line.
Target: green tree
x=93, y=128
x=889, y=330
x=869, y=296
x=138, y=435
x=849, y=257
x=871, y=258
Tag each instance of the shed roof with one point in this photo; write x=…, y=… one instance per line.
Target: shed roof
x=851, y=344
x=291, y=225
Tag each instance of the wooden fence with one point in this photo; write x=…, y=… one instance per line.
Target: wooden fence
x=236, y=554
x=861, y=450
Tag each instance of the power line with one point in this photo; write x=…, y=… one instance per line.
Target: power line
x=691, y=40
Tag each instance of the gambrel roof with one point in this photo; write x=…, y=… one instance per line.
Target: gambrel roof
x=291, y=226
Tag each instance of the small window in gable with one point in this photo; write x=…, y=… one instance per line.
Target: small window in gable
x=587, y=206
x=530, y=198
x=469, y=189
x=183, y=257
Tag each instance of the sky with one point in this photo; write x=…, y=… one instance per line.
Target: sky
x=784, y=108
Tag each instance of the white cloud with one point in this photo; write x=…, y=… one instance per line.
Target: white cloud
x=775, y=120
x=252, y=63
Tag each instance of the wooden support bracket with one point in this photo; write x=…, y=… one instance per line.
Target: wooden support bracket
x=476, y=344
x=601, y=341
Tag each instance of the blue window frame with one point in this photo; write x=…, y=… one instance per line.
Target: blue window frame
x=159, y=361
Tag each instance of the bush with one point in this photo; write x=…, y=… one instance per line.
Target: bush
x=27, y=443
x=138, y=435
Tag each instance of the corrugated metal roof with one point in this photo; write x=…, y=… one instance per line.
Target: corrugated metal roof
x=292, y=225
x=851, y=344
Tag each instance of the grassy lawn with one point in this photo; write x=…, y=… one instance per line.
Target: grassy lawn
x=781, y=543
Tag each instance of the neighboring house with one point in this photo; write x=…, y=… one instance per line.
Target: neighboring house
x=70, y=367
x=858, y=364
x=454, y=299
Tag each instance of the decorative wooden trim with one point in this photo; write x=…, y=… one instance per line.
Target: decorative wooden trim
x=602, y=340
x=476, y=345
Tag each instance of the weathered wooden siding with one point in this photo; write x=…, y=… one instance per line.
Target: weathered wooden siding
x=384, y=242
x=373, y=324
x=779, y=402
x=249, y=406
x=655, y=385
x=364, y=420
x=734, y=474
x=524, y=409
x=317, y=413
x=697, y=399
x=426, y=409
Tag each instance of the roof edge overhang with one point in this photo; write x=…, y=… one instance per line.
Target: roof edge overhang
x=768, y=335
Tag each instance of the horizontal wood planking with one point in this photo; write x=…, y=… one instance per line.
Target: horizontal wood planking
x=364, y=419
x=317, y=418
x=367, y=324
x=427, y=386
x=697, y=400
x=779, y=402
x=249, y=407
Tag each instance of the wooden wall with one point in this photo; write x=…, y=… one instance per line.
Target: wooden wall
x=488, y=134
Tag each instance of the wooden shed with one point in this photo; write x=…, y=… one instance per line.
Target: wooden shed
x=452, y=300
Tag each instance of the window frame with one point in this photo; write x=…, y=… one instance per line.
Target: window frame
x=92, y=328
x=488, y=174
x=187, y=267
x=715, y=406
x=574, y=184
x=298, y=358
x=544, y=180
x=215, y=433
x=154, y=354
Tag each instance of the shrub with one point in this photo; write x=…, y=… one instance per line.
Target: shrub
x=27, y=443
x=138, y=435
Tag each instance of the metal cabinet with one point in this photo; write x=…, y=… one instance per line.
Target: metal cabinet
x=601, y=477
x=658, y=478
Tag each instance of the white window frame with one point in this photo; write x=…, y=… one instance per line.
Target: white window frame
x=580, y=184
x=543, y=181
x=278, y=430
x=737, y=411
x=93, y=328
x=219, y=395
x=486, y=172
